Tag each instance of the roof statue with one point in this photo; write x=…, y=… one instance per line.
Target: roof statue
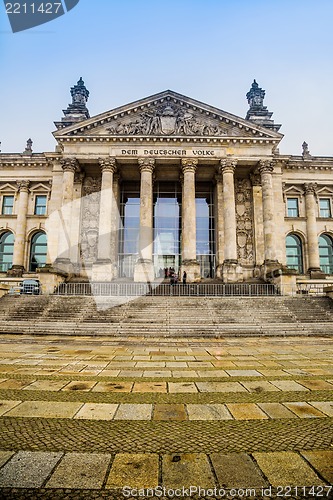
x=28, y=148
x=258, y=112
x=77, y=110
x=305, y=150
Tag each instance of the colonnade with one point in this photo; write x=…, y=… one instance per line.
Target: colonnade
x=226, y=226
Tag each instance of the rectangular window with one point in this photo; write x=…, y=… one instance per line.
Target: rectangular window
x=292, y=207
x=40, y=205
x=7, y=205
x=324, y=208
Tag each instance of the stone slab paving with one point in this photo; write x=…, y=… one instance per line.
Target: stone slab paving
x=237, y=470
x=287, y=468
x=28, y=469
x=185, y=470
x=137, y=470
x=80, y=470
x=89, y=416
x=97, y=411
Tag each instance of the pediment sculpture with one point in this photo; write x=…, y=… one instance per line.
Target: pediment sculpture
x=169, y=119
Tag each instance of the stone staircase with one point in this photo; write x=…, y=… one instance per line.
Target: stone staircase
x=166, y=316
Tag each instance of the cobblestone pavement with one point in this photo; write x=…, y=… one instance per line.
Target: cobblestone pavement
x=95, y=418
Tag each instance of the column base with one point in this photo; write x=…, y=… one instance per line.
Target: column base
x=192, y=269
x=102, y=270
x=64, y=265
x=316, y=273
x=268, y=268
x=144, y=271
x=232, y=272
x=16, y=271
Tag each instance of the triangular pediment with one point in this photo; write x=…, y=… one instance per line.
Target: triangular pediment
x=167, y=114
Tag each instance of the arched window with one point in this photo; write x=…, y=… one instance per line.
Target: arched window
x=294, y=252
x=6, y=251
x=38, y=251
x=326, y=253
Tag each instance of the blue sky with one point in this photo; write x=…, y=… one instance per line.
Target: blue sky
x=210, y=50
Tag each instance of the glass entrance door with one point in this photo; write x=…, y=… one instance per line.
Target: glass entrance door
x=167, y=224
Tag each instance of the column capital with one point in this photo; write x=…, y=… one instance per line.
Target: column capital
x=70, y=165
x=23, y=186
x=266, y=166
x=108, y=164
x=228, y=165
x=189, y=165
x=310, y=188
x=146, y=164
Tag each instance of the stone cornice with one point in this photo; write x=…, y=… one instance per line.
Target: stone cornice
x=18, y=161
x=158, y=139
x=299, y=163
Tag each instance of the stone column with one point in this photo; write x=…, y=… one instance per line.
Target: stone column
x=258, y=221
x=103, y=267
x=265, y=169
x=189, y=236
x=144, y=268
x=231, y=270
x=70, y=166
x=21, y=229
x=219, y=234
x=311, y=230
x=115, y=224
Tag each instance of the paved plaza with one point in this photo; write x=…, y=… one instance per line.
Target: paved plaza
x=95, y=417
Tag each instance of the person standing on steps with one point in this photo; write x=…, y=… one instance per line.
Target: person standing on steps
x=184, y=277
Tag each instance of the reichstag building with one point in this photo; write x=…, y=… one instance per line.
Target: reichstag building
x=166, y=182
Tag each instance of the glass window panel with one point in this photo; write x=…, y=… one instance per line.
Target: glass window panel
x=294, y=252
x=326, y=253
x=132, y=222
x=132, y=211
x=292, y=207
x=6, y=251
x=324, y=207
x=202, y=223
x=202, y=209
x=40, y=205
x=7, y=205
x=38, y=251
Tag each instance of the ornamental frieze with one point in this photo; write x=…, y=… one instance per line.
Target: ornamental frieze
x=244, y=220
x=171, y=119
x=90, y=219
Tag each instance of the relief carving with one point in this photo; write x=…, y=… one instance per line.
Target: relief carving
x=244, y=220
x=170, y=120
x=90, y=219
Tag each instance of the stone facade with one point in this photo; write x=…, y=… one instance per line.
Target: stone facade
x=163, y=182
